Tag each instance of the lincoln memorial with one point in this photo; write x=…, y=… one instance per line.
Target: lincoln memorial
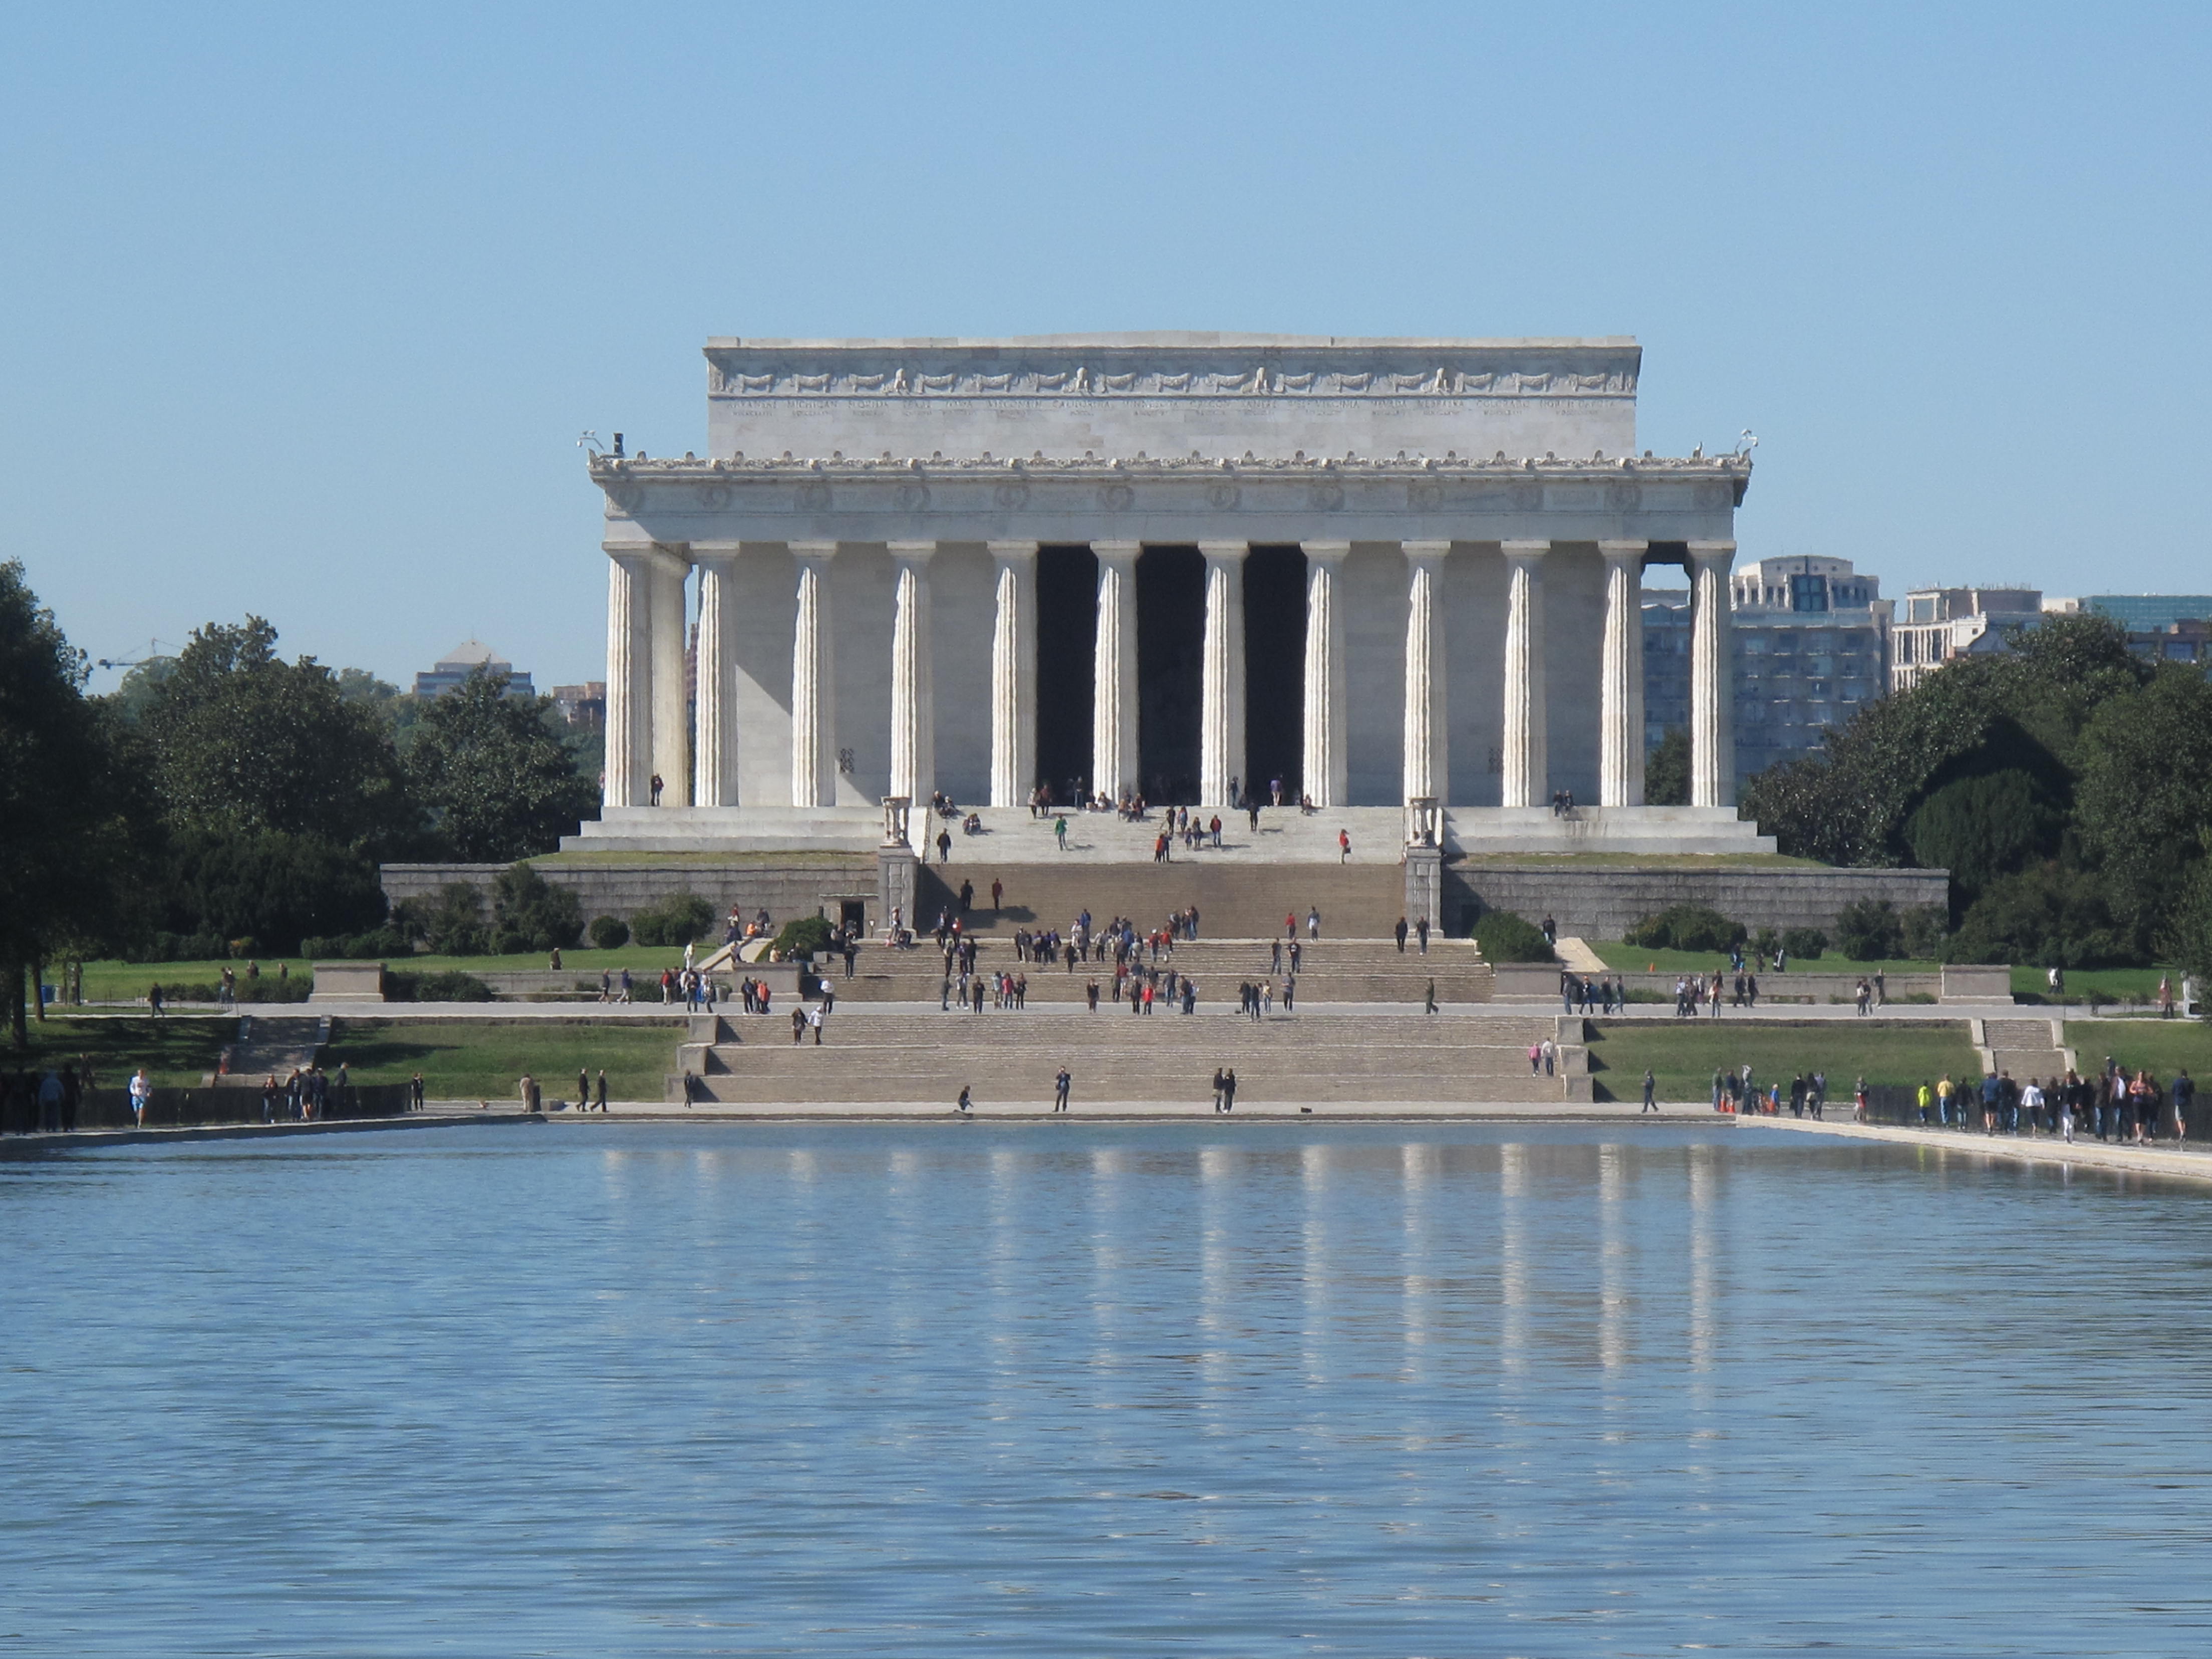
x=1401, y=574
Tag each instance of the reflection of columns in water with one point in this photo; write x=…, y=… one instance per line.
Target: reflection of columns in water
x=1703, y=1263
x=1613, y=1260
x=1416, y=1172
x=1313, y=1262
x=1513, y=1259
x=1215, y=1297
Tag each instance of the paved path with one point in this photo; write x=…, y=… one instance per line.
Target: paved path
x=82, y=1139
x=1136, y=1111
x=2193, y=1163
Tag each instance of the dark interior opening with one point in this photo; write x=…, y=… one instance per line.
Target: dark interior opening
x=1066, y=633
x=1171, y=664
x=1274, y=668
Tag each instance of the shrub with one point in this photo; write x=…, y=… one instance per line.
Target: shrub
x=1505, y=937
x=371, y=946
x=529, y=913
x=276, y=887
x=676, y=920
x=1687, y=927
x=608, y=932
x=450, y=921
x=804, y=936
x=1926, y=929
x=451, y=986
x=1870, y=930
x=1806, y=943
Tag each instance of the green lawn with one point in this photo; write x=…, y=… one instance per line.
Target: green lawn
x=176, y=1052
x=2120, y=985
x=128, y=982
x=484, y=1059
x=2164, y=1045
x=1684, y=1054
x=1636, y=959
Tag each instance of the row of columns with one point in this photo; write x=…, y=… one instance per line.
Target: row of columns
x=646, y=678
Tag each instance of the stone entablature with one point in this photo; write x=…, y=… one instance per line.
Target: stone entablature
x=1272, y=395
x=1170, y=500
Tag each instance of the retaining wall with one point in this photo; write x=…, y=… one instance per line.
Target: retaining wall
x=1600, y=902
x=785, y=888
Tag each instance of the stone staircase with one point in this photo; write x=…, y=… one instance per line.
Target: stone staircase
x=1332, y=971
x=269, y=1045
x=1234, y=901
x=877, y=1056
x=2025, y=1047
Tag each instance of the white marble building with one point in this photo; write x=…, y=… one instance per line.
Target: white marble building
x=1387, y=572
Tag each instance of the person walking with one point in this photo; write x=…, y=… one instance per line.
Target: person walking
x=1060, y=831
x=1421, y=931
x=1060, y=1085
x=1650, y=1093
x=600, y=1094
x=963, y=1103
x=1344, y=847
x=141, y=1090
x=1400, y=930
x=998, y=895
x=2182, y=1094
x=1431, y=1003
x=944, y=847
x=1313, y=923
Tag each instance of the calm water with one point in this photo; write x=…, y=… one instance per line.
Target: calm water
x=1061, y=1389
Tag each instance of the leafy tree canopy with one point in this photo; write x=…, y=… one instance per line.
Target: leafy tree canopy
x=497, y=781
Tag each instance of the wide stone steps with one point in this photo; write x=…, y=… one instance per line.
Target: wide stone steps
x=2024, y=1048
x=1233, y=901
x=1006, y=1055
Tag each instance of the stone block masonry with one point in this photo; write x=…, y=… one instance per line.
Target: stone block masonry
x=1597, y=903
x=784, y=888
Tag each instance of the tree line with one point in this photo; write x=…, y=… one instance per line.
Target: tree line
x=229, y=796
x=2066, y=784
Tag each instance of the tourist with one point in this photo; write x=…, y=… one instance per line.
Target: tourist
x=1060, y=831
x=1551, y=1053
x=1944, y=1090
x=1313, y=923
x=141, y=1092
x=2183, y=1096
x=599, y=1093
x=1992, y=1092
x=1060, y=1085
x=1213, y=827
x=1865, y=993
x=1650, y=1093
x=1219, y=1085
x=153, y=1000
x=1818, y=1100
x=2030, y=1103
x=798, y=1026
x=814, y=1019
x=1401, y=930
x=1344, y=850
x=656, y=787
x=1421, y=931
x=1550, y=931
x=963, y=1103
x=2165, y=997
x=944, y=847
x=1720, y=1088
x=1229, y=1089
x=1925, y=1096
x=1859, y=1101
x=1432, y=1002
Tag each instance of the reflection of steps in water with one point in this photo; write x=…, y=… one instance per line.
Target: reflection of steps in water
x=870, y=1055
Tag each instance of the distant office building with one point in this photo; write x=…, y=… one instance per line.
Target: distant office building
x=1933, y=625
x=465, y=659
x=2139, y=613
x=584, y=707
x=1811, y=648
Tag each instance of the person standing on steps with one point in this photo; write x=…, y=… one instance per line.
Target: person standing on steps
x=1059, y=1087
x=656, y=786
x=1400, y=931
x=1229, y=1089
x=1431, y=1003
x=963, y=1103
x=944, y=847
x=1421, y=931
x=1650, y=1093
x=967, y=896
x=1060, y=831
x=1312, y=923
x=1344, y=847
x=998, y=895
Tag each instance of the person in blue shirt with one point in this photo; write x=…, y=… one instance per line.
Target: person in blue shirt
x=1992, y=1089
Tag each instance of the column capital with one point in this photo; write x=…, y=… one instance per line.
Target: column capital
x=1218, y=551
x=714, y=552
x=1006, y=551
x=1328, y=552
x=1525, y=551
x=813, y=552
x=1117, y=553
x=1424, y=552
x=1718, y=553
x=1624, y=549
x=911, y=552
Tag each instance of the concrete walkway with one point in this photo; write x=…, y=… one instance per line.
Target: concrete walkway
x=84, y=1139
x=2194, y=1163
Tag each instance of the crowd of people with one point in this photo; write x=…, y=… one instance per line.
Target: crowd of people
x=2117, y=1105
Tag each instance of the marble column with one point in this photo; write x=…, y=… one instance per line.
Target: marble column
x=1221, y=681
x=1113, y=682
x=1712, y=676
x=1528, y=768
x=1013, y=675
x=1427, y=733
x=671, y=728
x=914, y=712
x=629, y=678
x=813, y=690
x=1620, y=690
x=714, y=693
x=1325, y=763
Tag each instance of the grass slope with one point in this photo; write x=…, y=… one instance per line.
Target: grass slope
x=1684, y=1054
x=176, y=1052
x=484, y=1059
x=2164, y=1045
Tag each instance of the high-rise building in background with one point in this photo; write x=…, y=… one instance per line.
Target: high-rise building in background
x=584, y=707
x=1811, y=647
x=2172, y=627
x=1933, y=625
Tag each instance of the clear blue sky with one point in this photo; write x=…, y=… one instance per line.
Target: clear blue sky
x=302, y=307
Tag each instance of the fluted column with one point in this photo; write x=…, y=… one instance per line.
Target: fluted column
x=671, y=730
x=1324, y=760
x=1621, y=691
x=1114, y=681
x=813, y=708
x=714, y=693
x=629, y=678
x=1713, y=674
x=1221, y=685
x=1528, y=764
x=1013, y=675
x=914, y=712
x=1426, y=728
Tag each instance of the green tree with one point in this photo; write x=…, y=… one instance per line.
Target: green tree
x=1667, y=770
x=2145, y=794
x=530, y=913
x=67, y=839
x=242, y=741
x=497, y=780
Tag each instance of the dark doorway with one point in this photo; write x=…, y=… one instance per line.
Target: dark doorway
x=1274, y=668
x=1171, y=664
x=1066, y=630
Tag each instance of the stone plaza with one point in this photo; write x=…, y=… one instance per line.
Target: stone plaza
x=1398, y=578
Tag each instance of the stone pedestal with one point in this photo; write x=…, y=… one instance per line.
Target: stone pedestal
x=894, y=873
x=1425, y=885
